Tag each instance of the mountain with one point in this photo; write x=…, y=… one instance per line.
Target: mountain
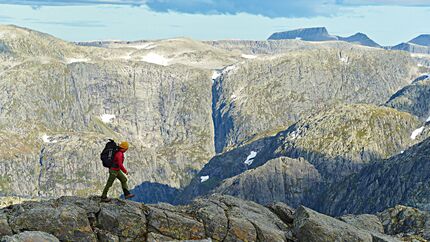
x=215, y=218
x=413, y=48
x=270, y=93
x=401, y=179
x=296, y=165
x=307, y=34
x=321, y=34
x=62, y=101
x=178, y=102
x=423, y=40
x=413, y=98
x=361, y=39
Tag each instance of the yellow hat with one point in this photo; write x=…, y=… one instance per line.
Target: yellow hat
x=124, y=145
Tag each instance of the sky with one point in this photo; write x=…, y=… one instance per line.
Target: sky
x=388, y=22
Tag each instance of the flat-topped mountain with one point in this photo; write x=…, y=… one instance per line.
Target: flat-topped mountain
x=307, y=34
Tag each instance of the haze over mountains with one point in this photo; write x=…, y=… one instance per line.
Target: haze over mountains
x=317, y=121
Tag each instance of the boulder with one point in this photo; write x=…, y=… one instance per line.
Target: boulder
x=30, y=236
x=312, y=226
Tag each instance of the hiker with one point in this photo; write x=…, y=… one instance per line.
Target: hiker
x=117, y=170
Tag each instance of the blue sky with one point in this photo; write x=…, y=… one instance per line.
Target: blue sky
x=388, y=22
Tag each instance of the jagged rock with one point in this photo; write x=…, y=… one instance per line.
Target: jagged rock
x=175, y=225
x=364, y=221
x=406, y=222
x=123, y=219
x=106, y=236
x=312, y=226
x=239, y=220
x=212, y=218
x=154, y=237
x=4, y=225
x=66, y=222
x=30, y=236
x=284, y=212
x=401, y=179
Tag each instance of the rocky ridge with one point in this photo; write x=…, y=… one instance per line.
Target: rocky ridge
x=215, y=218
x=297, y=164
x=384, y=184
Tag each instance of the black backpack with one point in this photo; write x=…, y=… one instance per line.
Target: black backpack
x=108, y=153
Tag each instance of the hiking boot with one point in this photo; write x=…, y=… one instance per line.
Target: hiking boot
x=105, y=199
x=128, y=196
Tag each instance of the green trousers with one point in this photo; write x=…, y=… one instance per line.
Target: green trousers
x=112, y=176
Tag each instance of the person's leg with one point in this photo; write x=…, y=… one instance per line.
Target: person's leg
x=111, y=179
x=121, y=176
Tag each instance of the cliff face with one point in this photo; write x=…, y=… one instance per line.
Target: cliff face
x=266, y=94
x=215, y=218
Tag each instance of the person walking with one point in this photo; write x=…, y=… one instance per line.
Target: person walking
x=118, y=171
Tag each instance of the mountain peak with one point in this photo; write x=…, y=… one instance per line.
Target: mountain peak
x=360, y=38
x=423, y=40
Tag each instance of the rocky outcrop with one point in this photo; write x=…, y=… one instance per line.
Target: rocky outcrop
x=80, y=219
x=281, y=179
x=297, y=164
x=213, y=218
x=402, y=179
x=36, y=236
x=407, y=222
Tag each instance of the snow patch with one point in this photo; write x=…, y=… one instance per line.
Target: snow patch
x=249, y=56
x=250, y=158
x=156, y=59
x=74, y=60
x=428, y=119
x=233, y=97
x=298, y=38
x=401, y=152
x=344, y=60
x=417, y=132
x=295, y=134
x=204, y=178
x=215, y=75
x=48, y=139
x=107, y=118
x=229, y=68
